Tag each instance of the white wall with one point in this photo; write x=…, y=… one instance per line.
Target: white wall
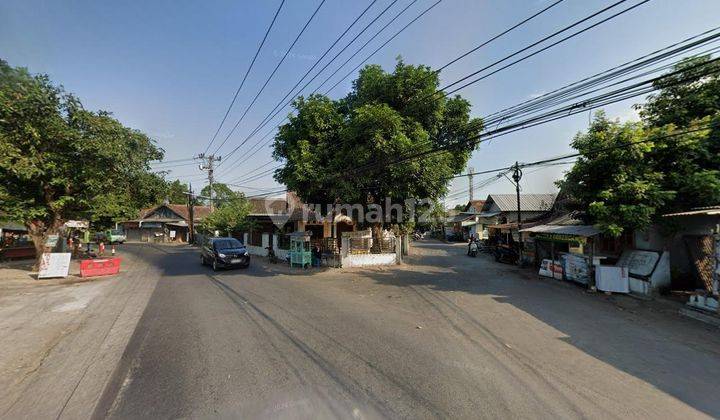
x=367, y=260
x=258, y=250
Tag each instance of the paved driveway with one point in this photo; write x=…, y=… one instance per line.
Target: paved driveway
x=443, y=336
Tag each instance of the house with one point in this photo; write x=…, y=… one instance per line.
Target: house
x=274, y=218
x=500, y=213
x=503, y=208
x=164, y=223
x=465, y=222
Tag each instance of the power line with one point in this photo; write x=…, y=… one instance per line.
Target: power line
x=247, y=109
x=242, y=83
x=262, y=124
x=601, y=100
x=486, y=42
x=544, y=48
x=563, y=157
x=615, y=96
x=290, y=92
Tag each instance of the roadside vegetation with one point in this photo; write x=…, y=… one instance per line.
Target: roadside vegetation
x=644, y=170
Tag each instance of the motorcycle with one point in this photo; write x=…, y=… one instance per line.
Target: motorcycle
x=473, y=249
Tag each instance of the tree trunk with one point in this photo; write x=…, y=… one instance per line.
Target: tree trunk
x=376, y=229
x=40, y=232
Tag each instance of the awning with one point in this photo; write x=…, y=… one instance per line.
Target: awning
x=570, y=230
x=178, y=224
x=702, y=211
x=77, y=224
x=17, y=227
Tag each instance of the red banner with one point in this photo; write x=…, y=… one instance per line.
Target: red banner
x=99, y=267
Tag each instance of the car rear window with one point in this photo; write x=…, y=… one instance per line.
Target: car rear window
x=227, y=243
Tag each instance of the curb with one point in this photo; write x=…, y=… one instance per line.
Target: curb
x=700, y=316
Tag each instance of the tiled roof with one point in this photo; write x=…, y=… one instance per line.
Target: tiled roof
x=474, y=206
x=199, y=212
x=528, y=202
x=268, y=206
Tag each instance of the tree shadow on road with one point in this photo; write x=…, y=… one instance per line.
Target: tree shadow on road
x=677, y=356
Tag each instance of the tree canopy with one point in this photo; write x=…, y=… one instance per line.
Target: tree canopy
x=221, y=193
x=652, y=168
x=342, y=150
x=60, y=161
x=230, y=215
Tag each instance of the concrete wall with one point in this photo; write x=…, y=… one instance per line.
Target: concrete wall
x=368, y=260
x=257, y=250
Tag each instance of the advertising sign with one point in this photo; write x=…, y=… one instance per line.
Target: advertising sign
x=576, y=268
x=52, y=240
x=54, y=265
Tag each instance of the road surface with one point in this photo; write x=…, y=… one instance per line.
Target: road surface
x=446, y=336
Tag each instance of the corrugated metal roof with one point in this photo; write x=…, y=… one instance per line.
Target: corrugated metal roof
x=573, y=230
x=700, y=211
x=9, y=225
x=528, y=202
x=459, y=218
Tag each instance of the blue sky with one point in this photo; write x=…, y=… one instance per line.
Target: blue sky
x=170, y=68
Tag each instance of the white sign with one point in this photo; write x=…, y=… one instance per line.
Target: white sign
x=172, y=234
x=612, y=279
x=55, y=264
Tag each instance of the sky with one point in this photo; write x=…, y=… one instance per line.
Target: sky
x=170, y=67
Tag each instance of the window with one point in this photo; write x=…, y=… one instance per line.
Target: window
x=227, y=243
x=255, y=238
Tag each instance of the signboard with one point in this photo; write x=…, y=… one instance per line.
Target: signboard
x=51, y=241
x=576, y=268
x=54, y=264
x=557, y=237
x=550, y=268
x=612, y=279
x=640, y=263
x=172, y=234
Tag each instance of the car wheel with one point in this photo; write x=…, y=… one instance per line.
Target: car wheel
x=214, y=265
x=246, y=265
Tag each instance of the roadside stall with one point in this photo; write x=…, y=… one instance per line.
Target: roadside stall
x=15, y=243
x=300, y=252
x=565, y=250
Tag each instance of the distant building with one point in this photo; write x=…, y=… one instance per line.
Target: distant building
x=164, y=223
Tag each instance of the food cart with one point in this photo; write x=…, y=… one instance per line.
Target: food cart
x=300, y=253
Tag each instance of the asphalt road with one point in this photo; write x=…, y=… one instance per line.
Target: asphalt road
x=446, y=336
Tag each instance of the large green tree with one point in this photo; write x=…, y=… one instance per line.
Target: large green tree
x=651, y=169
x=176, y=192
x=59, y=161
x=342, y=150
x=221, y=193
x=229, y=217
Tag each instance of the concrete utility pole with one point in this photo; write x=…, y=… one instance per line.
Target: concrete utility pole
x=470, y=182
x=191, y=216
x=517, y=175
x=209, y=166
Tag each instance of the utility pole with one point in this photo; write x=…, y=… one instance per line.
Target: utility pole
x=470, y=182
x=209, y=166
x=191, y=216
x=517, y=175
